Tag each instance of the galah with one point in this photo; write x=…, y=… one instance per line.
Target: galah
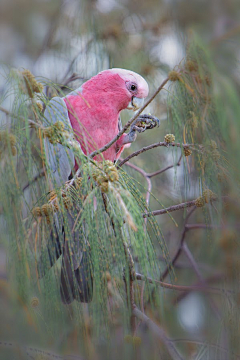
x=93, y=113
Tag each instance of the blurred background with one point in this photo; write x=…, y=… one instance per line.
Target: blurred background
x=67, y=42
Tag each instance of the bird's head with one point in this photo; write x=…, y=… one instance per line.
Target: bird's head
x=122, y=88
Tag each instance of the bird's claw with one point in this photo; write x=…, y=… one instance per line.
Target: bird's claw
x=144, y=122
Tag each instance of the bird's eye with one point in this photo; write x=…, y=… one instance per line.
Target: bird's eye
x=133, y=87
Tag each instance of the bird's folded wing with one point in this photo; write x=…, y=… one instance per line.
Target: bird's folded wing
x=60, y=159
x=59, y=162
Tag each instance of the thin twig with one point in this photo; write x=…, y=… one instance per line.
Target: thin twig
x=165, y=169
x=198, y=287
x=104, y=148
x=230, y=33
x=210, y=226
x=48, y=39
x=152, y=146
x=203, y=344
x=199, y=275
x=150, y=175
x=210, y=279
x=192, y=261
x=75, y=58
x=170, y=209
x=18, y=117
x=145, y=175
x=159, y=332
x=179, y=250
x=71, y=78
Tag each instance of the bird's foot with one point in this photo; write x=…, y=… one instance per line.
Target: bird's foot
x=144, y=122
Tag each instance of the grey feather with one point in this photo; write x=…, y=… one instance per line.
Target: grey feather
x=60, y=158
x=76, y=272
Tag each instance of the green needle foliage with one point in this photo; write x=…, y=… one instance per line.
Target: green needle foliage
x=196, y=120
x=100, y=209
x=102, y=205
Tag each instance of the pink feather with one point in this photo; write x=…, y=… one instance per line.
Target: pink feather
x=94, y=112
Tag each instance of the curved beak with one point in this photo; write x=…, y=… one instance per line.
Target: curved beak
x=135, y=103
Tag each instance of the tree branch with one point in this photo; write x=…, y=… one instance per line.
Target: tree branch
x=198, y=287
x=176, y=256
x=208, y=280
x=165, y=169
x=150, y=175
x=19, y=117
x=152, y=146
x=170, y=209
x=159, y=332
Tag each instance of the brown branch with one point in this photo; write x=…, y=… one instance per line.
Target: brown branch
x=183, y=247
x=202, y=226
x=152, y=146
x=71, y=78
x=104, y=148
x=18, y=117
x=232, y=32
x=186, y=288
x=192, y=261
x=208, y=280
x=165, y=169
x=48, y=39
x=159, y=332
x=150, y=175
x=85, y=49
x=170, y=209
x=145, y=175
x=204, y=344
x=176, y=256
x=198, y=273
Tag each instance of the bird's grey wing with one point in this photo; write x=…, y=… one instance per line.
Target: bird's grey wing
x=60, y=159
x=60, y=162
x=76, y=273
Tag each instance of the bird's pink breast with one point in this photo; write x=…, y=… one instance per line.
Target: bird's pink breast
x=93, y=126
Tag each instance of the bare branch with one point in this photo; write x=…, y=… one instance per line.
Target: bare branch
x=152, y=146
x=75, y=58
x=165, y=169
x=198, y=287
x=203, y=343
x=170, y=209
x=210, y=279
x=198, y=273
x=159, y=332
x=104, y=148
x=150, y=175
x=179, y=250
x=31, y=122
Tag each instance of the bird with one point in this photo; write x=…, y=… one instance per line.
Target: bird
x=92, y=112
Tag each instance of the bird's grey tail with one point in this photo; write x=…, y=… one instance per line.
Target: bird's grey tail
x=76, y=276
x=52, y=252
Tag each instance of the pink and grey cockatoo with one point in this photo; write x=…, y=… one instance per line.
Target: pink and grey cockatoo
x=93, y=113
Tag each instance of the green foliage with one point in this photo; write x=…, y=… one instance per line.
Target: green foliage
x=103, y=206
